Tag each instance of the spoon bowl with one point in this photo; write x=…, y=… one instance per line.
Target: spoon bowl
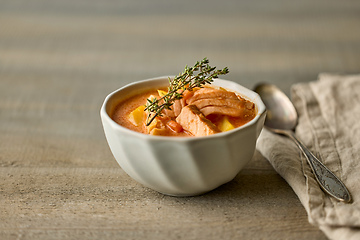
x=282, y=118
x=281, y=113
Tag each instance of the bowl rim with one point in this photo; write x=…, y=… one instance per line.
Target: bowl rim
x=261, y=110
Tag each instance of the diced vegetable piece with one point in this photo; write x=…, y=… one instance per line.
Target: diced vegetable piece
x=225, y=124
x=158, y=132
x=137, y=116
x=152, y=97
x=156, y=127
x=176, y=127
x=152, y=125
x=161, y=93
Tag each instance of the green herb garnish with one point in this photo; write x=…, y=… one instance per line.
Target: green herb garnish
x=197, y=76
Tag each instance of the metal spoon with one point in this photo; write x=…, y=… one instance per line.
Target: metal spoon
x=282, y=118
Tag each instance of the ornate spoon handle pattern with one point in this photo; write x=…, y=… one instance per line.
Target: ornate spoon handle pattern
x=326, y=179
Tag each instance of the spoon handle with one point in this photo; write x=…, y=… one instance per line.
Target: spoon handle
x=326, y=179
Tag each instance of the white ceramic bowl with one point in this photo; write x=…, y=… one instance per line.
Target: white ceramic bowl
x=181, y=166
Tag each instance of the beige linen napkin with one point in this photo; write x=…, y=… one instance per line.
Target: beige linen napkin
x=329, y=124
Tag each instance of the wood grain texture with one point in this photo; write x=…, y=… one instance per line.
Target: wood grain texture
x=58, y=61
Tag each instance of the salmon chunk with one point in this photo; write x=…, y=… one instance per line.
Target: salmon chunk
x=233, y=103
x=177, y=106
x=222, y=110
x=175, y=109
x=217, y=101
x=204, y=93
x=193, y=121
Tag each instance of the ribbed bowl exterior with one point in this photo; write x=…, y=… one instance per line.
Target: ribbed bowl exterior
x=181, y=166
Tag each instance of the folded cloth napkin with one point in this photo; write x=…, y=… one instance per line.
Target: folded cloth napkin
x=329, y=125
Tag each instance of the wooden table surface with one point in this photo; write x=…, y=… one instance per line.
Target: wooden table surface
x=58, y=61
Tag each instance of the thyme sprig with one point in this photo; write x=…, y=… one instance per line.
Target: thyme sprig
x=197, y=76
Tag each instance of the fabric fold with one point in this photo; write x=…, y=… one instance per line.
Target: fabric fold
x=329, y=114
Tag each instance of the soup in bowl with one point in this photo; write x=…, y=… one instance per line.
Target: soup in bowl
x=187, y=151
